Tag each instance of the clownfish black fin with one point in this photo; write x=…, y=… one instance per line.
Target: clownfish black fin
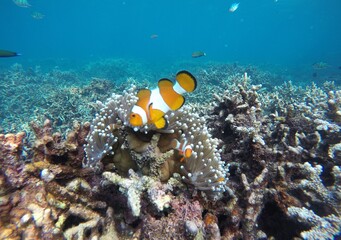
x=143, y=93
x=165, y=81
x=186, y=80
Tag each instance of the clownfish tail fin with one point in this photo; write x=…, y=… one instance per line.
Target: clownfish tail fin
x=186, y=80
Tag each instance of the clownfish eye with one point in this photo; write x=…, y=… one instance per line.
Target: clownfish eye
x=133, y=115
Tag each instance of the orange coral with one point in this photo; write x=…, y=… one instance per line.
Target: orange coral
x=210, y=219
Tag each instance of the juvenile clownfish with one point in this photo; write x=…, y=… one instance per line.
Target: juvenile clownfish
x=152, y=105
x=184, y=149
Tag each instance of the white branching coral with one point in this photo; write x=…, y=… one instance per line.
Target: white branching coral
x=321, y=227
x=133, y=188
x=111, y=133
x=328, y=225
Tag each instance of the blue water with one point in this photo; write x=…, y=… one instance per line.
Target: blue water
x=291, y=34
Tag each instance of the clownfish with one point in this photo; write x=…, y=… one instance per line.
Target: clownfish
x=152, y=105
x=184, y=149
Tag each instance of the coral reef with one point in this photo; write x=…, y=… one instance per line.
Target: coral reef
x=283, y=165
x=62, y=96
x=265, y=165
x=49, y=197
x=52, y=196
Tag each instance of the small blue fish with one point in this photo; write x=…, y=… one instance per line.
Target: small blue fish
x=233, y=7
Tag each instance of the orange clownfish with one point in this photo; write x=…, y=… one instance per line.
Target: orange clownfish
x=184, y=149
x=152, y=105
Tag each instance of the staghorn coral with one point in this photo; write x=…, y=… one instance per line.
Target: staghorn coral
x=334, y=102
x=274, y=163
x=322, y=228
x=324, y=218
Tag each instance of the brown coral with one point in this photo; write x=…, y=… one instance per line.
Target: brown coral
x=51, y=147
x=274, y=164
x=44, y=200
x=175, y=225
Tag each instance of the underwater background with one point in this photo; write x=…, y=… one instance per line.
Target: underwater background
x=263, y=125
x=292, y=34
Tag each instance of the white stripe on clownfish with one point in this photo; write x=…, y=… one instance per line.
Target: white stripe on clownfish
x=183, y=147
x=157, y=102
x=141, y=112
x=178, y=89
